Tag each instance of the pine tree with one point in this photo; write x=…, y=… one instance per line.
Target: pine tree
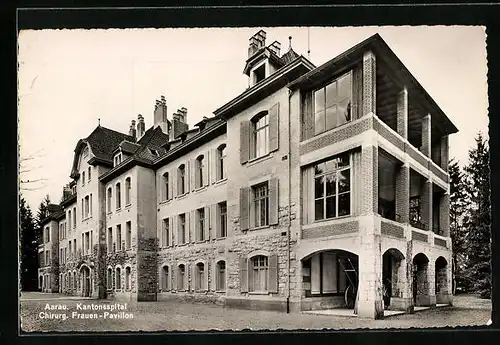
x=458, y=202
x=478, y=218
x=28, y=248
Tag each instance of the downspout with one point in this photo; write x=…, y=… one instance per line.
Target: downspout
x=288, y=236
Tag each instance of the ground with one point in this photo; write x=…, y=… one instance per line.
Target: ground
x=174, y=316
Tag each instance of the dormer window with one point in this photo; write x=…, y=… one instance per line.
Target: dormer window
x=259, y=74
x=154, y=152
x=118, y=158
x=85, y=152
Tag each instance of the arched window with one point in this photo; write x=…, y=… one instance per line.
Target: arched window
x=127, y=278
x=83, y=178
x=181, y=276
x=259, y=274
x=75, y=287
x=165, y=279
x=127, y=191
x=69, y=219
x=221, y=162
x=260, y=135
x=200, y=276
x=165, y=194
x=74, y=217
x=200, y=167
x=181, y=179
x=89, y=174
x=109, y=280
x=118, y=278
x=110, y=194
x=118, y=196
x=220, y=276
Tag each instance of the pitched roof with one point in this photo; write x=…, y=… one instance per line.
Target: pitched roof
x=103, y=141
x=289, y=56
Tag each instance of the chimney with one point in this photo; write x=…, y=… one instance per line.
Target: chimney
x=257, y=41
x=132, y=132
x=275, y=47
x=141, y=126
x=160, y=114
x=179, y=123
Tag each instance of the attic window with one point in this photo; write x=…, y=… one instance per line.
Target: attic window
x=154, y=152
x=259, y=74
x=118, y=158
x=85, y=151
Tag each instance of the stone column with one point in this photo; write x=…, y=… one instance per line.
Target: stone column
x=402, y=297
x=431, y=284
x=444, y=152
x=369, y=180
x=403, y=194
x=369, y=83
x=426, y=136
x=444, y=214
x=426, y=205
x=402, y=113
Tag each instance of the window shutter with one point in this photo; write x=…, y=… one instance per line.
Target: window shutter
x=273, y=274
x=193, y=277
x=192, y=226
x=187, y=176
x=243, y=275
x=179, y=234
x=244, y=141
x=171, y=232
x=214, y=163
x=205, y=276
x=178, y=177
x=206, y=231
x=244, y=208
x=273, y=201
x=274, y=127
x=193, y=183
x=250, y=274
x=214, y=231
x=213, y=276
x=207, y=166
x=170, y=189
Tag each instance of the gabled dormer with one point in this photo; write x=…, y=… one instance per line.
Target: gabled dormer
x=265, y=60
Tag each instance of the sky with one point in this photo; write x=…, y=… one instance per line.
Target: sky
x=69, y=80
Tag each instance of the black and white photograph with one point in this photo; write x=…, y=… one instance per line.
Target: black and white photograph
x=261, y=178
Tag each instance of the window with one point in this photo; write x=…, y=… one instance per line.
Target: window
x=83, y=178
x=165, y=280
x=87, y=242
x=222, y=219
x=87, y=206
x=89, y=173
x=415, y=215
x=154, y=152
x=165, y=193
x=110, y=239
x=119, y=237
x=118, y=159
x=332, y=188
x=181, y=179
x=74, y=217
x=85, y=152
x=118, y=196
x=181, y=277
x=127, y=279
x=259, y=74
x=110, y=194
x=90, y=205
x=83, y=208
x=220, y=282
x=200, y=167
x=182, y=228
x=221, y=162
x=118, y=277
x=69, y=218
x=200, y=226
x=260, y=136
x=128, y=235
x=128, y=187
x=200, y=276
x=261, y=205
x=109, y=279
x=332, y=104
x=259, y=273
x=165, y=236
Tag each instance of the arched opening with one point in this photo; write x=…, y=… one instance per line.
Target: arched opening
x=441, y=281
x=85, y=281
x=329, y=280
x=420, y=280
x=393, y=275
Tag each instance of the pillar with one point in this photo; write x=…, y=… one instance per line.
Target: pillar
x=402, y=113
x=369, y=180
x=403, y=194
x=444, y=152
x=426, y=205
x=369, y=83
x=426, y=136
x=444, y=214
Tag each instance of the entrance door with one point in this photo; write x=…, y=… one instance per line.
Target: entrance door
x=85, y=281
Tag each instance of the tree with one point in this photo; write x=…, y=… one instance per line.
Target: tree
x=477, y=218
x=28, y=248
x=41, y=215
x=458, y=203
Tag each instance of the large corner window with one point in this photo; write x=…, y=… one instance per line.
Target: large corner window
x=332, y=104
x=260, y=136
x=332, y=186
